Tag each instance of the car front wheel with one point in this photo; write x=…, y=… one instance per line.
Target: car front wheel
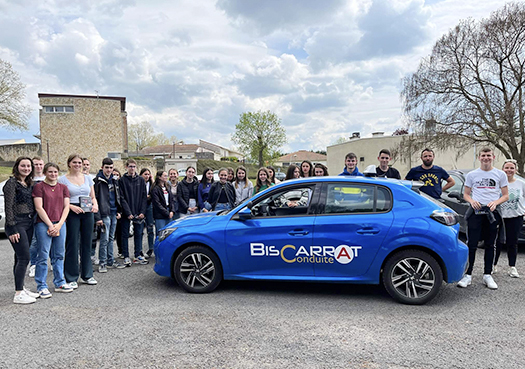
x=412, y=277
x=197, y=269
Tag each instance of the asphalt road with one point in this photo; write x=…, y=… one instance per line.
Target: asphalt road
x=134, y=318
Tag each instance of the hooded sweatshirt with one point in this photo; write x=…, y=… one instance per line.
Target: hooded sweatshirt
x=355, y=172
x=133, y=196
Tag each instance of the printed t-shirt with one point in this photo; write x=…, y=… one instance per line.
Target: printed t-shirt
x=486, y=185
x=430, y=177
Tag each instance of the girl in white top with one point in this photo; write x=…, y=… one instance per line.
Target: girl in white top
x=512, y=212
x=79, y=223
x=243, y=186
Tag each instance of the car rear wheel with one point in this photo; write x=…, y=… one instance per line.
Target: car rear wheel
x=412, y=277
x=197, y=269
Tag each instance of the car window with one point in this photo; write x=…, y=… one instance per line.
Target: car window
x=457, y=186
x=290, y=201
x=353, y=198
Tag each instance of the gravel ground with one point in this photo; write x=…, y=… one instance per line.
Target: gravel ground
x=134, y=318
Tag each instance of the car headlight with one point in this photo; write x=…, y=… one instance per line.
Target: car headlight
x=445, y=217
x=165, y=233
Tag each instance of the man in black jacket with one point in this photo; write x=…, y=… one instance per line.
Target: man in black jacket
x=134, y=201
x=108, y=198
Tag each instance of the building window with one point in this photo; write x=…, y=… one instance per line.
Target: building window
x=59, y=109
x=362, y=158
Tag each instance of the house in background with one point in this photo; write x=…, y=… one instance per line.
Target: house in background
x=299, y=156
x=93, y=126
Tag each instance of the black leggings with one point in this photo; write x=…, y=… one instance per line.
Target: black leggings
x=25, y=229
x=512, y=231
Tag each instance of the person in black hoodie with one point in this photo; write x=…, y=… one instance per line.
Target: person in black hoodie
x=187, y=191
x=133, y=199
x=222, y=193
x=106, y=192
x=150, y=221
x=162, y=200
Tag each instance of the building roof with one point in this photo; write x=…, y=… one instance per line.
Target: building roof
x=119, y=98
x=301, y=155
x=221, y=147
x=168, y=149
x=12, y=141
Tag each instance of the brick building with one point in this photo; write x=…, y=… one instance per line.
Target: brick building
x=93, y=126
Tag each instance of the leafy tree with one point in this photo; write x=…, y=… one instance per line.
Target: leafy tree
x=141, y=135
x=13, y=112
x=259, y=135
x=470, y=89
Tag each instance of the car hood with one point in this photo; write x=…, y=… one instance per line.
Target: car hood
x=194, y=220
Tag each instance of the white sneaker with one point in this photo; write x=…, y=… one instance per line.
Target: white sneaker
x=31, y=294
x=495, y=269
x=465, y=281
x=489, y=282
x=23, y=298
x=45, y=294
x=32, y=271
x=73, y=285
x=513, y=272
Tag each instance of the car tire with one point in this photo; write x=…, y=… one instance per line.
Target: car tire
x=197, y=269
x=412, y=277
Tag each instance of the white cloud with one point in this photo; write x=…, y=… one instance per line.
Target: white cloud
x=191, y=67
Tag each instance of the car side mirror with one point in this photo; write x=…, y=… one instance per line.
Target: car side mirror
x=244, y=214
x=456, y=195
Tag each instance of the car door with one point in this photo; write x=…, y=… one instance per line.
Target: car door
x=352, y=223
x=266, y=244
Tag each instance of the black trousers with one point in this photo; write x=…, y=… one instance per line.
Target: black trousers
x=478, y=227
x=512, y=232
x=78, y=238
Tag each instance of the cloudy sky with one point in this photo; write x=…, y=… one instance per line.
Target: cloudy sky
x=327, y=68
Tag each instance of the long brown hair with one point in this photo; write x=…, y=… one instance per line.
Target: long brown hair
x=259, y=184
x=16, y=173
x=245, y=176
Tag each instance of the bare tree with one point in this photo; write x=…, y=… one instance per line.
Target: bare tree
x=141, y=135
x=470, y=88
x=13, y=112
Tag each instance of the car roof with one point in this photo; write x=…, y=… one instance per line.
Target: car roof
x=353, y=179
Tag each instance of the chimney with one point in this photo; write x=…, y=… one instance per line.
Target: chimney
x=377, y=134
x=355, y=135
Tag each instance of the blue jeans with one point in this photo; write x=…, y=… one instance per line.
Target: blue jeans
x=149, y=226
x=138, y=231
x=222, y=206
x=105, y=250
x=50, y=247
x=161, y=223
x=33, y=249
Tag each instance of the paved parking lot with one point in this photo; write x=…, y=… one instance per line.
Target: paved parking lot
x=135, y=318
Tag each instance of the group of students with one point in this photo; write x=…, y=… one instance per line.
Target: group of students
x=52, y=217
x=496, y=199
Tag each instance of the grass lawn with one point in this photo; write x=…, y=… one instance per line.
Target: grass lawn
x=5, y=172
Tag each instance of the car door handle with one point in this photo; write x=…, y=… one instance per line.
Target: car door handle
x=368, y=230
x=298, y=232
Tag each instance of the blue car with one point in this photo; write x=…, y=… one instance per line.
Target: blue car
x=321, y=229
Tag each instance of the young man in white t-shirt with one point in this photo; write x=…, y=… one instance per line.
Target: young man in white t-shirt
x=485, y=189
